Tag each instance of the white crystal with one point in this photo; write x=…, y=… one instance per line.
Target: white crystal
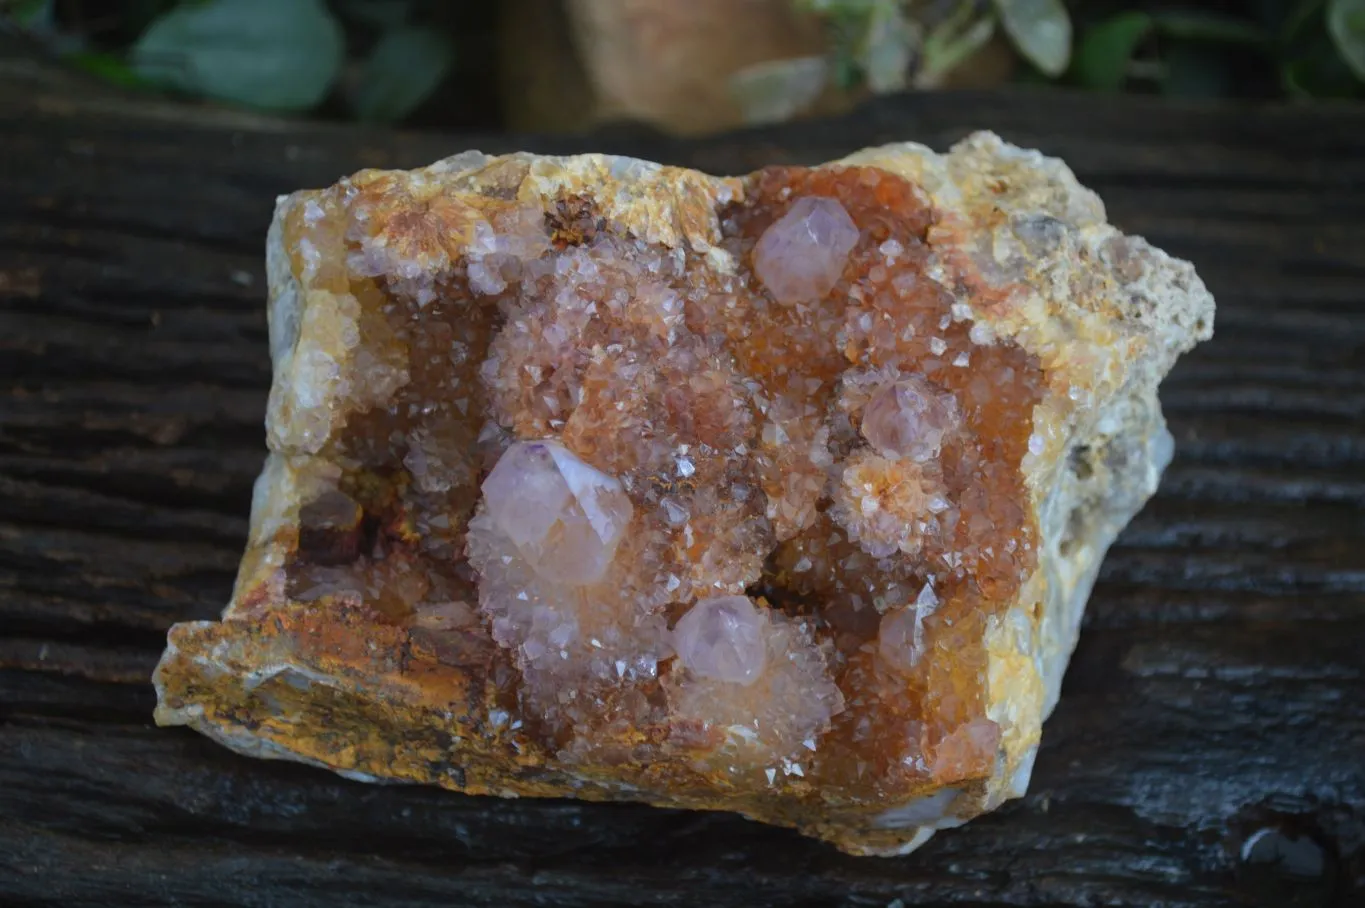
x=565, y=517
x=901, y=638
x=722, y=638
x=674, y=512
x=908, y=419
x=801, y=256
x=926, y=810
x=926, y=602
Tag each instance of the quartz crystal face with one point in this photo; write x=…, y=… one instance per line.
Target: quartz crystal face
x=722, y=638
x=778, y=494
x=801, y=256
x=564, y=517
x=908, y=418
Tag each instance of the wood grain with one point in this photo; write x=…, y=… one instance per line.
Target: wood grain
x=1219, y=688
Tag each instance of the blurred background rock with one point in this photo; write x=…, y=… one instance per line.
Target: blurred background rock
x=683, y=67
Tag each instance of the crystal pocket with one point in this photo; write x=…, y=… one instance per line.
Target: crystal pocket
x=779, y=494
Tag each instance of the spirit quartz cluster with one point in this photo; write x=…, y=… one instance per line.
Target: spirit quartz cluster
x=779, y=494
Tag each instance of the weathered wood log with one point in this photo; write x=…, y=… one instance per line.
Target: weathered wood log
x=1218, y=691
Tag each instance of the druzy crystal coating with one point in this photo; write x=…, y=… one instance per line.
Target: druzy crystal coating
x=779, y=494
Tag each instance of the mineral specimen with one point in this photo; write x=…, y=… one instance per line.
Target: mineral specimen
x=779, y=494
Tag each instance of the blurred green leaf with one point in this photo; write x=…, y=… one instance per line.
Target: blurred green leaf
x=1193, y=71
x=845, y=23
x=1346, y=25
x=1319, y=77
x=1293, y=81
x=846, y=76
x=1196, y=25
x=138, y=14
x=1040, y=30
x=836, y=7
x=39, y=19
x=1104, y=50
x=886, y=49
x=34, y=14
x=1319, y=72
x=776, y=90
x=403, y=69
x=1298, y=16
x=943, y=54
x=269, y=54
x=107, y=67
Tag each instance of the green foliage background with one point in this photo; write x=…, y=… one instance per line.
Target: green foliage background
x=1257, y=48
x=383, y=60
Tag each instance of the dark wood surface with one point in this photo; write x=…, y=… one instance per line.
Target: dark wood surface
x=1216, y=704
